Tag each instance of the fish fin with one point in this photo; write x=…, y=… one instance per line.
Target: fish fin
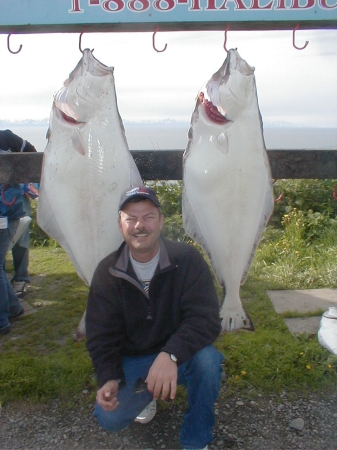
x=268, y=208
x=77, y=142
x=235, y=318
x=48, y=222
x=194, y=231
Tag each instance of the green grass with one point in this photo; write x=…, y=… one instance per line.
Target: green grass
x=40, y=359
x=271, y=358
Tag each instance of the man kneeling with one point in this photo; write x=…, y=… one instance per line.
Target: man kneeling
x=152, y=316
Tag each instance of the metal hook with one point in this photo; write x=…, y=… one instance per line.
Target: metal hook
x=14, y=53
x=80, y=44
x=153, y=42
x=306, y=42
x=225, y=41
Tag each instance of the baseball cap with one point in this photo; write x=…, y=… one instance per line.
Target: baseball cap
x=138, y=192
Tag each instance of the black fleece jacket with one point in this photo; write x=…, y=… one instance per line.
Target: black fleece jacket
x=180, y=315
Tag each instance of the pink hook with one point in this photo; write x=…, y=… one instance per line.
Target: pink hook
x=306, y=42
x=225, y=41
x=80, y=44
x=14, y=53
x=153, y=42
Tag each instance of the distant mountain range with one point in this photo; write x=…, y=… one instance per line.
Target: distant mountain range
x=153, y=123
x=23, y=123
x=45, y=122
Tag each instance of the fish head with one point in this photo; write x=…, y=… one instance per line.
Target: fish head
x=229, y=91
x=86, y=91
x=83, y=101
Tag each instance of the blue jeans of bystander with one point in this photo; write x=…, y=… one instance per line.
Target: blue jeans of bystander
x=20, y=251
x=9, y=302
x=202, y=377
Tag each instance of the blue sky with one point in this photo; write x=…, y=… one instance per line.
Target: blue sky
x=295, y=87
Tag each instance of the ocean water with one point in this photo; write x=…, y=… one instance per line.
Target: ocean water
x=174, y=137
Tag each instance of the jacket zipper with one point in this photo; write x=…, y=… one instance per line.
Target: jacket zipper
x=127, y=277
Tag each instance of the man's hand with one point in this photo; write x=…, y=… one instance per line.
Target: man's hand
x=107, y=396
x=162, y=377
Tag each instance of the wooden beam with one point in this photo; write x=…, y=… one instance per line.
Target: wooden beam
x=167, y=165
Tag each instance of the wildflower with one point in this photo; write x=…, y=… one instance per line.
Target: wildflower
x=329, y=366
x=243, y=373
x=237, y=377
x=308, y=367
x=301, y=353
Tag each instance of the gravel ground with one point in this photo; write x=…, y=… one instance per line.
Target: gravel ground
x=260, y=422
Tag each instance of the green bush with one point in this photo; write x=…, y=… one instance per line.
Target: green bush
x=169, y=194
x=304, y=195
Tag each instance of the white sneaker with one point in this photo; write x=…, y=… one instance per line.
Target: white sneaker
x=19, y=287
x=148, y=413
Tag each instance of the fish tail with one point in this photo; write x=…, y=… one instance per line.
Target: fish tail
x=234, y=316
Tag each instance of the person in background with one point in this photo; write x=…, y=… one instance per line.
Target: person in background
x=20, y=251
x=152, y=317
x=11, y=210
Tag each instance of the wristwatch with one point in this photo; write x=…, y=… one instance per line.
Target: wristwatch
x=173, y=357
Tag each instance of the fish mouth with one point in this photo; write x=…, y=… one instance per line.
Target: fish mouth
x=68, y=119
x=214, y=114
x=68, y=116
x=212, y=111
x=64, y=109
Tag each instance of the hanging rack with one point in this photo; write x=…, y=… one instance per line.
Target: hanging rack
x=306, y=42
x=8, y=46
x=153, y=42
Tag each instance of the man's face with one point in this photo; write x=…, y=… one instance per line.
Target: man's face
x=141, y=224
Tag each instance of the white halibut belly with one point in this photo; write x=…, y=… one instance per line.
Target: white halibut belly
x=226, y=195
x=80, y=196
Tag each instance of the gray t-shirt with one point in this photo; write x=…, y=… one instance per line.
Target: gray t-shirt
x=145, y=271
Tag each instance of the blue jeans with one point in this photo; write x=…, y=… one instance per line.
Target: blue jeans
x=20, y=251
x=9, y=302
x=202, y=377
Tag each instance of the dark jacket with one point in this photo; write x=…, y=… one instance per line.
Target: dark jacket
x=180, y=315
x=14, y=143
x=11, y=196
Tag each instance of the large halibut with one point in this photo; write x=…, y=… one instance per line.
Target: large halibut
x=87, y=165
x=227, y=184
